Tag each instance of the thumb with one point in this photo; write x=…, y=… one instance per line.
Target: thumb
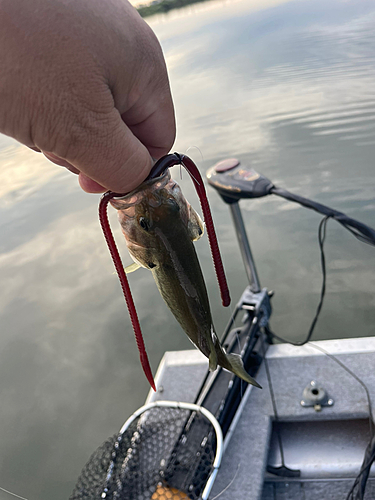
x=108, y=154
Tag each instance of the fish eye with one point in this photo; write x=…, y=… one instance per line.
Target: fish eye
x=143, y=223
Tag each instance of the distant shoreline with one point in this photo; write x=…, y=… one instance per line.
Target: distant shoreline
x=163, y=6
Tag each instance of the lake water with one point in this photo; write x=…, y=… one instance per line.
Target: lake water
x=287, y=87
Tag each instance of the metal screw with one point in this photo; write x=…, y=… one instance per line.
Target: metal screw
x=313, y=383
x=303, y=403
x=330, y=402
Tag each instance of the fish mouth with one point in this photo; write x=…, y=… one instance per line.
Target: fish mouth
x=147, y=188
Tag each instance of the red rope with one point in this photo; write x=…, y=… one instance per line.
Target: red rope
x=216, y=257
x=103, y=217
x=159, y=168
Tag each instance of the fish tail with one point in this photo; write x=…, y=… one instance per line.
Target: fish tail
x=238, y=369
x=212, y=360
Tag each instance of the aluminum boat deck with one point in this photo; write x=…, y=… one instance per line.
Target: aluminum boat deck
x=327, y=446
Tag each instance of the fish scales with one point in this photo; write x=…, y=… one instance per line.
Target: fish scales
x=160, y=226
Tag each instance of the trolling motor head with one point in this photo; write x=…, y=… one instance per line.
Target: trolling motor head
x=234, y=181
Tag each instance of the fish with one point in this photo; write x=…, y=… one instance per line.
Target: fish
x=160, y=228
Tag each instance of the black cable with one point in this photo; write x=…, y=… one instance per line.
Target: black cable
x=321, y=236
x=283, y=470
x=361, y=231
x=359, y=486
x=348, y=370
x=365, y=470
x=358, y=229
x=367, y=236
x=272, y=394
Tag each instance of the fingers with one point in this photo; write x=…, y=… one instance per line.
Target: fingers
x=157, y=132
x=89, y=185
x=59, y=161
x=152, y=120
x=113, y=156
x=109, y=156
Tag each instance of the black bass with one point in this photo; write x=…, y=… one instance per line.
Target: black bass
x=159, y=227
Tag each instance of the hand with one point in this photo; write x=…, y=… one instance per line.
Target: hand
x=85, y=82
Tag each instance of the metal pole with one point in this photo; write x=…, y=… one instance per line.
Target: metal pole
x=243, y=241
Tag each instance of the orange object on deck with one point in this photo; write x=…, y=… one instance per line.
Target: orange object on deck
x=166, y=493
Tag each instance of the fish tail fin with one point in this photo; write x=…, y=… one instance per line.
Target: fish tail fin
x=212, y=360
x=238, y=369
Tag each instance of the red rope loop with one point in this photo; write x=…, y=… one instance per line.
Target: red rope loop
x=158, y=169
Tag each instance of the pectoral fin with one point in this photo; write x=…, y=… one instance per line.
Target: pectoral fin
x=212, y=360
x=195, y=225
x=132, y=267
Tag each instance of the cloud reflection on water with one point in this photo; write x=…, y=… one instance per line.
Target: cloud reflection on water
x=287, y=72
x=22, y=173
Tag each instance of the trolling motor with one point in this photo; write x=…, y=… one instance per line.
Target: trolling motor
x=234, y=181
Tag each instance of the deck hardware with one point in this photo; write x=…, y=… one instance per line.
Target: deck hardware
x=315, y=395
x=248, y=307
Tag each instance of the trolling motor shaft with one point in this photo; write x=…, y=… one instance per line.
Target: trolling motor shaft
x=234, y=181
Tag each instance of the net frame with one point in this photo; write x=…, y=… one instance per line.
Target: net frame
x=179, y=405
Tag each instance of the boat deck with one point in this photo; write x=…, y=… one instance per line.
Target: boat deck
x=327, y=446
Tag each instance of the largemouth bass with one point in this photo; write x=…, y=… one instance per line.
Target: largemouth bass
x=159, y=227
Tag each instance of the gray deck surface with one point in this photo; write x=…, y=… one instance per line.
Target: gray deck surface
x=292, y=368
x=325, y=490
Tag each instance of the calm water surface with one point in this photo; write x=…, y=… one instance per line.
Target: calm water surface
x=288, y=87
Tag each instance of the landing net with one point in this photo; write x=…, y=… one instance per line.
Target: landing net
x=165, y=451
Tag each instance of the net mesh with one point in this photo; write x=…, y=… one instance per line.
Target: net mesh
x=165, y=454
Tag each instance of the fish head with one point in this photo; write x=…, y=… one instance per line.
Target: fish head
x=152, y=213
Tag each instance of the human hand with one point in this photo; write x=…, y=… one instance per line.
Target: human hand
x=85, y=82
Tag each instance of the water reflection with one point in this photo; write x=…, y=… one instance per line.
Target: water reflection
x=22, y=173
x=286, y=86
x=306, y=63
